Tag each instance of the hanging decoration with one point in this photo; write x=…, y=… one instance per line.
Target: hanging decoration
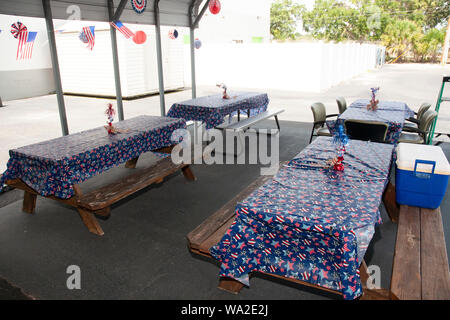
x=340, y=139
x=197, y=43
x=26, y=44
x=87, y=35
x=140, y=37
x=173, y=34
x=119, y=26
x=224, y=88
x=17, y=28
x=214, y=6
x=139, y=5
x=373, y=105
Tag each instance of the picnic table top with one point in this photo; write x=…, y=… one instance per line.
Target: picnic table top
x=309, y=222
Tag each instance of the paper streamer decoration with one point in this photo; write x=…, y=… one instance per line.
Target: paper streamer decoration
x=17, y=28
x=173, y=34
x=139, y=5
x=214, y=6
x=140, y=37
x=197, y=44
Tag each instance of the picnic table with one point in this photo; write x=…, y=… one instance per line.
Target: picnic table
x=213, y=109
x=309, y=223
x=56, y=167
x=393, y=113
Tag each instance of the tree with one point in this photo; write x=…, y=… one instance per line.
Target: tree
x=407, y=27
x=284, y=16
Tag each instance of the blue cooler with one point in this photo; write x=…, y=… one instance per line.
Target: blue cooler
x=421, y=175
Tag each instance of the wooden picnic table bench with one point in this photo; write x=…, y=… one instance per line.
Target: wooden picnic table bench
x=420, y=269
x=98, y=202
x=211, y=231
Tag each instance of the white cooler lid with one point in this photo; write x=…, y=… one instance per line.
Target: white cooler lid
x=408, y=153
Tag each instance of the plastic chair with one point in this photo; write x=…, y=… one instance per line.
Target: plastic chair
x=320, y=116
x=419, y=135
x=342, y=104
x=366, y=130
x=415, y=121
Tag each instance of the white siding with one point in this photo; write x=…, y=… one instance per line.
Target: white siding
x=91, y=72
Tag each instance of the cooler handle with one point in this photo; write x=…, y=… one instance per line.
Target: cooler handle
x=424, y=162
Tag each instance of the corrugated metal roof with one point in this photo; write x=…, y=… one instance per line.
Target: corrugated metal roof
x=172, y=12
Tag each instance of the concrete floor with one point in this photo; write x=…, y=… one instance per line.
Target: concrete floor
x=143, y=254
x=33, y=120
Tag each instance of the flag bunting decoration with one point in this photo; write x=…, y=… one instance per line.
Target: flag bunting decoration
x=119, y=26
x=139, y=5
x=25, y=45
x=88, y=37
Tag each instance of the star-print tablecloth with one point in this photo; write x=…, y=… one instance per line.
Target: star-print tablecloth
x=212, y=110
x=391, y=112
x=310, y=223
x=52, y=167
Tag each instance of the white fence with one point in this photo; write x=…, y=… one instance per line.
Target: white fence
x=305, y=66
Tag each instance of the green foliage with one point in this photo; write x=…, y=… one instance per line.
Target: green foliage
x=412, y=29
x=284, y=16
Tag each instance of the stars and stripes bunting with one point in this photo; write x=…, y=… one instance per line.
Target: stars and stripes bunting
x=90, y=36
x=119, y=26
x=25, y=45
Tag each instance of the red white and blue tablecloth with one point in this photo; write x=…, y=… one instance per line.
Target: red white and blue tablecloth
x=212, y=110
x=52, y=167
x=310, y=223
x=392, y=113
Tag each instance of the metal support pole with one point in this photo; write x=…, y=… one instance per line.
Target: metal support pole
x=55, y=66
x=112, y=32
x=159, y=57
x=193, y=82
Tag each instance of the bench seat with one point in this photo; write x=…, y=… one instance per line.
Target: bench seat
x=420, y=269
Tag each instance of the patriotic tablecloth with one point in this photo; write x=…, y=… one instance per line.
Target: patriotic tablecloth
x=391, y=112
x=52, y=167
x=310, y=223
x=212, y=110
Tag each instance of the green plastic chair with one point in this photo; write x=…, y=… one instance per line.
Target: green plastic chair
x=416, y=120
x=374, y=131
x=419, y=135
x=342, y=104
x=320, y=116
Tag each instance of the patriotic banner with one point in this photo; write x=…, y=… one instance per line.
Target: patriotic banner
x=88, y=36
x=139, y=5
x=119, y=26
x=25, y=46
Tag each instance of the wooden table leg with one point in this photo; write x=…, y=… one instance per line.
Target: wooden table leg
x=370, y=294
x=230, y=285
x=187, y=172
x=131, y=164
x=29, y=202
x=87, y=216
x=90, y=221
x=392, y=208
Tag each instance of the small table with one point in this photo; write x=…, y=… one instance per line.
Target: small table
x=55, y=168
x=391, y=112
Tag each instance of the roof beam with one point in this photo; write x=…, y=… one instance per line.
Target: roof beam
x=200, y=15
x=119, y=10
